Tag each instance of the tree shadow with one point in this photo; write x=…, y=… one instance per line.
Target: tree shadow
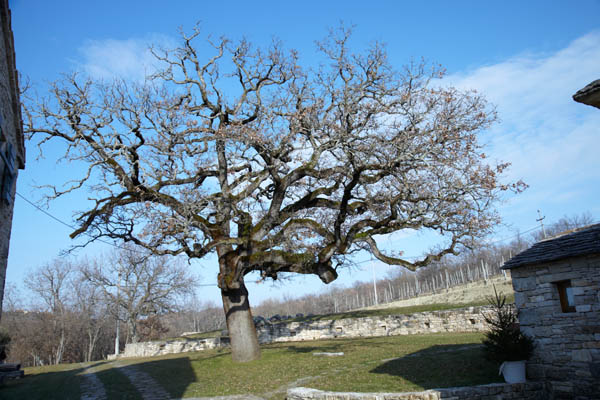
x=60, y=384
x=172, y=375
x=443, y=366
x=332, y=348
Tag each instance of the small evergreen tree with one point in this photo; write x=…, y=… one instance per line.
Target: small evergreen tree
x=505, y=341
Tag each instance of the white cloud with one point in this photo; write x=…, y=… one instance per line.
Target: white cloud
x=551, y=141
x=127, y=59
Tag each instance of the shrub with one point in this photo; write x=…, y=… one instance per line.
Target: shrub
x=505, y=341
x=4, y=342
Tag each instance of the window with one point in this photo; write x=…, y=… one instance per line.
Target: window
x=565, y=292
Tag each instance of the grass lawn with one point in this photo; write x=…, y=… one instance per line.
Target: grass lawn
x=398, y=363
x=393, y=364
x=50, y=382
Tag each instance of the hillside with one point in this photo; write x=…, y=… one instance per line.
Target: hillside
x=473, y=292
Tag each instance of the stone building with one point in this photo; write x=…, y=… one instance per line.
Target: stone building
x=12, y=149
x=557, y=294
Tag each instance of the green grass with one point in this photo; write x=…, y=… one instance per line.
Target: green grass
x=392, y=364
x=50, y=382
x=397, y=364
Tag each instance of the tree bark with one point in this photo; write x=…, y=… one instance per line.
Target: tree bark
x=132, y=329
x=242, y=332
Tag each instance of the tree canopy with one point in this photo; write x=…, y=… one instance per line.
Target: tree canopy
x=274, y=166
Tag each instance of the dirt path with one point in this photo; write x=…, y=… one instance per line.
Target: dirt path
x=144, y=384
x=91, y=387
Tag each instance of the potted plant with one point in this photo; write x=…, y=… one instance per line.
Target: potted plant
x=505, y=343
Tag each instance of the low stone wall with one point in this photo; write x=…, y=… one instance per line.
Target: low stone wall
x=459, y=320
x=504, y=391
x=468, y=319
x=148, y=349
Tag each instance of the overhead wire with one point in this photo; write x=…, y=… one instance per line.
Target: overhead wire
x=214, y=284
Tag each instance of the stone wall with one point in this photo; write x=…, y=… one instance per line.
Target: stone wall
x=149, y=349
x=11, y=132
x=504, y=391
x=459, y=320
x=567, y=353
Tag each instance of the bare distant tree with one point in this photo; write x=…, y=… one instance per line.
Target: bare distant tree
x=93, y=308
x=139, y=285
x=274, y=167
x=52, y=283
x=564, y=224
x=12, y=298
x=201, y=316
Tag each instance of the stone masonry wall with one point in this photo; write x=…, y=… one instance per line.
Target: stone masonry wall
x=460, y=320
x=567, y=353
x=10, y=131
x=504, y=391
x=149, y=349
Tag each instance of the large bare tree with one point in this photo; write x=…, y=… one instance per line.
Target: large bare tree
x=275, y=167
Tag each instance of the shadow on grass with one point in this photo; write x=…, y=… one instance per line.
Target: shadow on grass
x=443, y=366
x=173, y=375
x=329, y=348
x=61, y=383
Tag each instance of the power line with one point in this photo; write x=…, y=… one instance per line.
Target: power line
x=45, y=212
x=68, y=225
x=514, y=236
x=214, y=284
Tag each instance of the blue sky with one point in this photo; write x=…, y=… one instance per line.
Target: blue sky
x=528, y=58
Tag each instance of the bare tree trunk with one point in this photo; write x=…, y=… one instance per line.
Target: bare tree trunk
x=93, y=334
x=242, y=332
x=132, y=330
x=60, y=349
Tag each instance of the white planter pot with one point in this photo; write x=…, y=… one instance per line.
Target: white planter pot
x=513, y=371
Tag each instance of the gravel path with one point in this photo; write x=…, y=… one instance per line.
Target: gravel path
x=91, y=387
x=145, y=385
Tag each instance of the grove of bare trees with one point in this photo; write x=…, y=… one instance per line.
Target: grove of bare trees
x=78, y=305
x=275, y=166
x=139, y=285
